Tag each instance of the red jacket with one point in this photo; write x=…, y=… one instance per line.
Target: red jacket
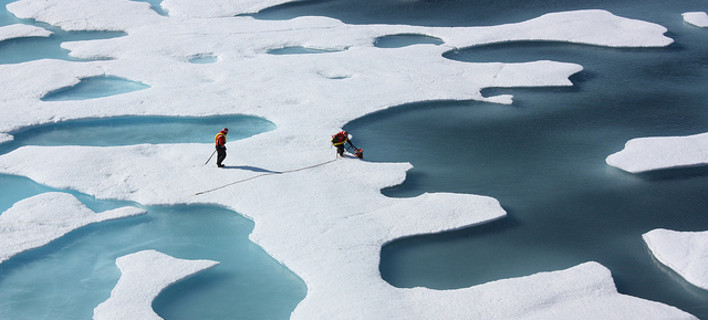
x=340, y=138
x=220, y=139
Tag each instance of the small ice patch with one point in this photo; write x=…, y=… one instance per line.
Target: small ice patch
x=5, y=137
x=684, y=252
x=144, y=275
x=698, y=18
x=22, y=31
x=654, y=153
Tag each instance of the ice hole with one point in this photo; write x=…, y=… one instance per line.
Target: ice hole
x=95, y=87
x=300, y=50
x=203, y=59
x=404, y=40
x=156, y=6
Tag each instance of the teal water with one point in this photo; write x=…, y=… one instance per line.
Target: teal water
x=138, y=130
x=156, y=6
x=203, y=59
x=95, y=87
x=34, y=48
x=69, y=277
x=248, y=282
x=72, y=275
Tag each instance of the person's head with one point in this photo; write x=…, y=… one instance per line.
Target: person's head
x=225, y=131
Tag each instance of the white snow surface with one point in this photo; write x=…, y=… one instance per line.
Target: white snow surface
x=684, y=252
x=217, y=8
x=327, y=223
x=41, y=219
x=144, y=275
x=655, y=153
x=22, y=31
x=696, y=18
x=4, y=137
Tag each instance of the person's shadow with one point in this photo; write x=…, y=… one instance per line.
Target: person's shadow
x=250, y=168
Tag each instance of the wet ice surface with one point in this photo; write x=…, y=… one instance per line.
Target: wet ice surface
x=655, y=153
x=684, y=252
x=22, y=31
x=301, y=98
x=698, y=18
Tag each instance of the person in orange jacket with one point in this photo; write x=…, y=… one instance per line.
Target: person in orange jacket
x=220, y=140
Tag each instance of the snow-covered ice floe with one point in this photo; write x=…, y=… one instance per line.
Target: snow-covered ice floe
x=144, y=275
x=22, y=31
x=38, y=220
x=697, y=18
x=684, y=252
x=655, y=153
x=4, y=137
x=284, y=88
x=328, y=223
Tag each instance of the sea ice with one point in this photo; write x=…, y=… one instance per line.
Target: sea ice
x=334, y=240
x=22, y=31
x=699, y=18
x=5, y=137
x=684, y=252
x=38, y=220
x=217, y=8
x=326, y=223
x=144, y=275
x=654, y=153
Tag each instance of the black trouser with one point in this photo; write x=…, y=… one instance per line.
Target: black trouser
x=220, y=155
x=340, y=149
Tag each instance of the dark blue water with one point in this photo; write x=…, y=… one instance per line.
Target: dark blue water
x=404, y=40
x=472, y=13
x=543, y=158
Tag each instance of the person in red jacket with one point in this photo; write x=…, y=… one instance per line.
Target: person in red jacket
x=342, y=137
x=220, y=140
